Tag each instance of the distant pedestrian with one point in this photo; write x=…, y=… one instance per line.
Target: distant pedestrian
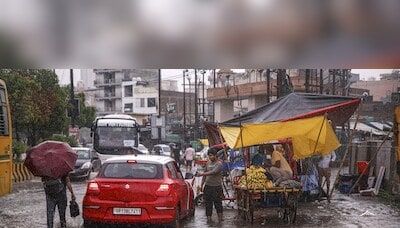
x=211, y=184
x=324, y=170
x=56, y=195
x=177, y=154
x=189, y=156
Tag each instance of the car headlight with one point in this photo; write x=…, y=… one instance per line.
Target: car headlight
x=86, y=165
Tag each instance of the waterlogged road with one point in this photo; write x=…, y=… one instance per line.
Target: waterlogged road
x=26, y=207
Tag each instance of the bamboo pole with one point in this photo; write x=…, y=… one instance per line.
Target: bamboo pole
x=345, y=155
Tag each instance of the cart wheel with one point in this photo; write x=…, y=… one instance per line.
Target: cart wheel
x=199, y=200
x=289, y=215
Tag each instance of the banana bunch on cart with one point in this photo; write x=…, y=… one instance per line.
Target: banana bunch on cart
x=255, y=178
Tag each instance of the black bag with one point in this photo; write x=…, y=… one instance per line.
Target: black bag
x=53, y=186
x=73, y=208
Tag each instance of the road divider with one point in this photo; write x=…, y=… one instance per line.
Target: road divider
x=21, y=173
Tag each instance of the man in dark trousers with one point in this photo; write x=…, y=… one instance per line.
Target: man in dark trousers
x=56, y=195
x=212, y=185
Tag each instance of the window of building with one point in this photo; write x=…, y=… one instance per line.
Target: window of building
x=109, y=77
x=151, y=102
x=128, y=91
x=128, y=107
x=142, y=103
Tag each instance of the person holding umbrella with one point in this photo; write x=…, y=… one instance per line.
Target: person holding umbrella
x=53, y=161
x=56, y=195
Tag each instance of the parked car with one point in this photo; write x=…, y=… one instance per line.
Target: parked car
x=85, y=163
x=138, y=189
x=161, y=149
x=143, y=149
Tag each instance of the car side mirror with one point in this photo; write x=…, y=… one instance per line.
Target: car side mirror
x=189, y=176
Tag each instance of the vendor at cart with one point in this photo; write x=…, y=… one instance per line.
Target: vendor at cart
x=279, y=168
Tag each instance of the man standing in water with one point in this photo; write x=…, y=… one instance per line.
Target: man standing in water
x=212, y=185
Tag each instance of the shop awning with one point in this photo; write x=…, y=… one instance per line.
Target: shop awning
x=303, y=133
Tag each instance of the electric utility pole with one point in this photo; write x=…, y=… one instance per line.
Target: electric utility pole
x=159, y=105
x=184, y=105
x=72, y=98
x=196, y=111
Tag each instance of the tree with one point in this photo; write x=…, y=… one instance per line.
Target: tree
x=37, y=103
x=87, y=114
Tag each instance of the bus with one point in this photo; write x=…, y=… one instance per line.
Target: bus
x=5, y=142
x=113, y=135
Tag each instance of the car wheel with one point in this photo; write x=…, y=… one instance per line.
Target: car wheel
x=199, y=200
x=88, y=176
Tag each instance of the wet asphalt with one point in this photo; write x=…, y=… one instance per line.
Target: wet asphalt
x=26, y=207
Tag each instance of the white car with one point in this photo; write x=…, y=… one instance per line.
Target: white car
x=161, y=149
x=143, y=149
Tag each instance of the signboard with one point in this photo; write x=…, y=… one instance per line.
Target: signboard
x=129, y=143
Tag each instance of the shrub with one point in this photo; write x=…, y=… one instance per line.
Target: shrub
x=63, y=138
x=18, y=149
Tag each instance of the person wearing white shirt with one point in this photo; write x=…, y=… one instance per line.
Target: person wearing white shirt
x=324, y=169
x=189, y=156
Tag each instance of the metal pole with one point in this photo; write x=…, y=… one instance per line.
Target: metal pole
x=321, y=81
x=159, y=92
x=334, y=82
x=307, y=84
x=196, y=111
x=279, y=82
x=159, y=104
x=72, y=97
x=268, y=85
x=184, y=106
x=190, y=102
x=203, y=99
x=214, y=82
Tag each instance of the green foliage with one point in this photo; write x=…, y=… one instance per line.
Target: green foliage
x=19, y=148
x=63, y=138
x=37, y=103
x=87, y=114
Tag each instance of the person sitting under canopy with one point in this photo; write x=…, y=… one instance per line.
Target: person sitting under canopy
x=279, y=167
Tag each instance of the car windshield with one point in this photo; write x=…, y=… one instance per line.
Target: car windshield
x=83, y=154
x=132, y=171
x=141, y=147
x=116, y=136
x=166, y=149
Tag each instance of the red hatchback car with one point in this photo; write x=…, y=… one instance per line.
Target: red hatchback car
x=144, y=189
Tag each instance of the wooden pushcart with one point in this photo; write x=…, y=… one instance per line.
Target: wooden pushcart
x=285, y=199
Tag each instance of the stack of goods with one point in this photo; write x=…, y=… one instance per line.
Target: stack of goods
x=255, y=179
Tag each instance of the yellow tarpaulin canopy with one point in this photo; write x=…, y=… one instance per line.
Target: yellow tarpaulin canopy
x=303, y=132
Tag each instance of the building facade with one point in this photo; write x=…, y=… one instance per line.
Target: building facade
x=109, y=87
x=237, y=93
x=139, y=99
x=381, y=90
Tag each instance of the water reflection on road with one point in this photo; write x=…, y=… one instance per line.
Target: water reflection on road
x=26, y=207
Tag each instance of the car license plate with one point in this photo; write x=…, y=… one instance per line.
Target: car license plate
x=127, y=211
